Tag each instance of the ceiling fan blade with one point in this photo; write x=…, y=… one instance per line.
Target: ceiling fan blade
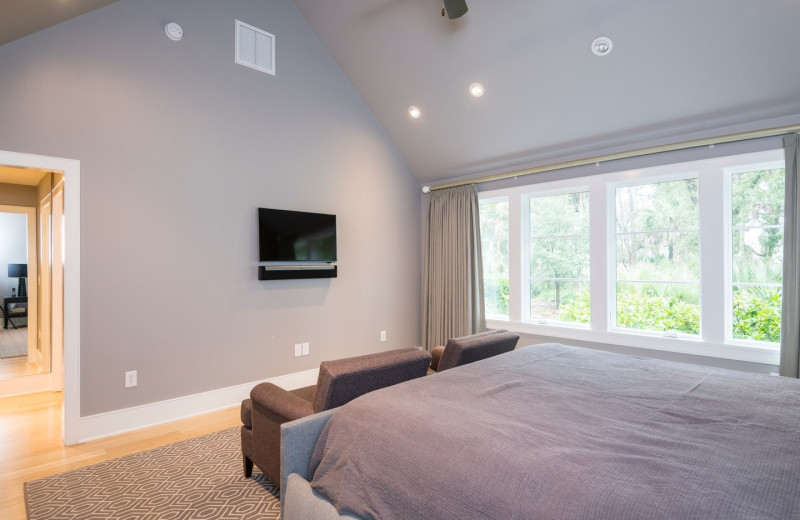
x=455, y=8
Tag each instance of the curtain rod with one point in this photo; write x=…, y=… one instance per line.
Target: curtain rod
x=696, y=143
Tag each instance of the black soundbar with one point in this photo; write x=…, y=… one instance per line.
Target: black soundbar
x=292, y=272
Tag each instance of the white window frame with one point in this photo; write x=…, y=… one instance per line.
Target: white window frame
x=715, y=338
x=491, y=200
x=728, y=185
x=526, y=252
x=612, y=251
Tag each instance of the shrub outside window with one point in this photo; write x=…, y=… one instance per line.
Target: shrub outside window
x=757, y=200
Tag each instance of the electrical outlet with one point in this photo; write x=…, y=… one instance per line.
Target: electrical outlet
x=383, y=335
x=305, y=349
x=298, y=350
x=130, y=379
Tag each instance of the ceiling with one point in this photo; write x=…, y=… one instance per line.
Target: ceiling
x=24, y=176
x=676, y=67
x=23, y=17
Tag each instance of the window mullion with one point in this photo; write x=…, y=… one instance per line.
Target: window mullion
x=598, y=256
x=714, y=254
x=516, y=234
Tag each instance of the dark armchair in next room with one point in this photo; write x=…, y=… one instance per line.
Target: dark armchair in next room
x=338, y=383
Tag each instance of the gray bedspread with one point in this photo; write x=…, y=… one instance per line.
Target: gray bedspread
x=551, y=432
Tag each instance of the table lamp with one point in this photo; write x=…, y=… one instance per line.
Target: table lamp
x=19, y=271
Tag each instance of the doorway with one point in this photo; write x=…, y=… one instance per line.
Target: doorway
x=56, y=282
x=19, y=307
x=31, y=295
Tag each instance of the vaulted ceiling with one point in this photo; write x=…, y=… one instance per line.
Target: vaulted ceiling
x=676, y=67
x=20, y=18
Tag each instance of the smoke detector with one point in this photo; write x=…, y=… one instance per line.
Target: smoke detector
x=174, y=31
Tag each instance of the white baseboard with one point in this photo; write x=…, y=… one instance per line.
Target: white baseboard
x=135, y=418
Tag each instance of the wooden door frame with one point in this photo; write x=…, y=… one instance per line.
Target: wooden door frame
x=45, y=286
x=57, y=287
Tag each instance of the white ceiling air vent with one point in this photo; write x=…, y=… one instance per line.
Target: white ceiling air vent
x=255, y=48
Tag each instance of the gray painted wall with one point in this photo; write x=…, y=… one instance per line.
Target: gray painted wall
x=178, y=147
x=646, y=161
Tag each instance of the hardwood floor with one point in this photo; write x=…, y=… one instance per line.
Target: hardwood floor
x=15, y=340
x=31, y=448
x=16, y=367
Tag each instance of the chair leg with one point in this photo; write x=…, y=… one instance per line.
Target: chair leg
x=248, y=467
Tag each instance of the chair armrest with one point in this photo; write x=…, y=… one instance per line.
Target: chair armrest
x=436, y=355
x=280, y=402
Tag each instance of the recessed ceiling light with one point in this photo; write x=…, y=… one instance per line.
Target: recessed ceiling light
x=602, y=45
x=476, y=89
x=414, y=112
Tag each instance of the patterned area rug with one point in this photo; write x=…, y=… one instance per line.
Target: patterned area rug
x=192, y=479
x=13, y=342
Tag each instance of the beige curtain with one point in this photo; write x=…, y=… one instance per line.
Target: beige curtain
x=790, y=312
x=452, y=274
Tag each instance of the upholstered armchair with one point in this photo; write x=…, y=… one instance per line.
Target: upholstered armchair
x=338, y=383
x=468, y=349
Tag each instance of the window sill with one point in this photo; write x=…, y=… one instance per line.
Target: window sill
x=695, y=347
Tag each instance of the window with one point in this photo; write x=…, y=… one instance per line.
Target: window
x=757, y=254
x=559, y=258
x=494, y=250
x=658, y=257
x=683, y=257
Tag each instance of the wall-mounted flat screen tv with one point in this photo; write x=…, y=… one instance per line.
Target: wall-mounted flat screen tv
x=296, y=236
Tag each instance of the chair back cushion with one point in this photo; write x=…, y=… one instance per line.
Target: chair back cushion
x=343, y=380
x=468, y=349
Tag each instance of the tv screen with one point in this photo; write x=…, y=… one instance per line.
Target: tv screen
x=296, y=236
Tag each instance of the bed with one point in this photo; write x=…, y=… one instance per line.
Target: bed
x=554, y=432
